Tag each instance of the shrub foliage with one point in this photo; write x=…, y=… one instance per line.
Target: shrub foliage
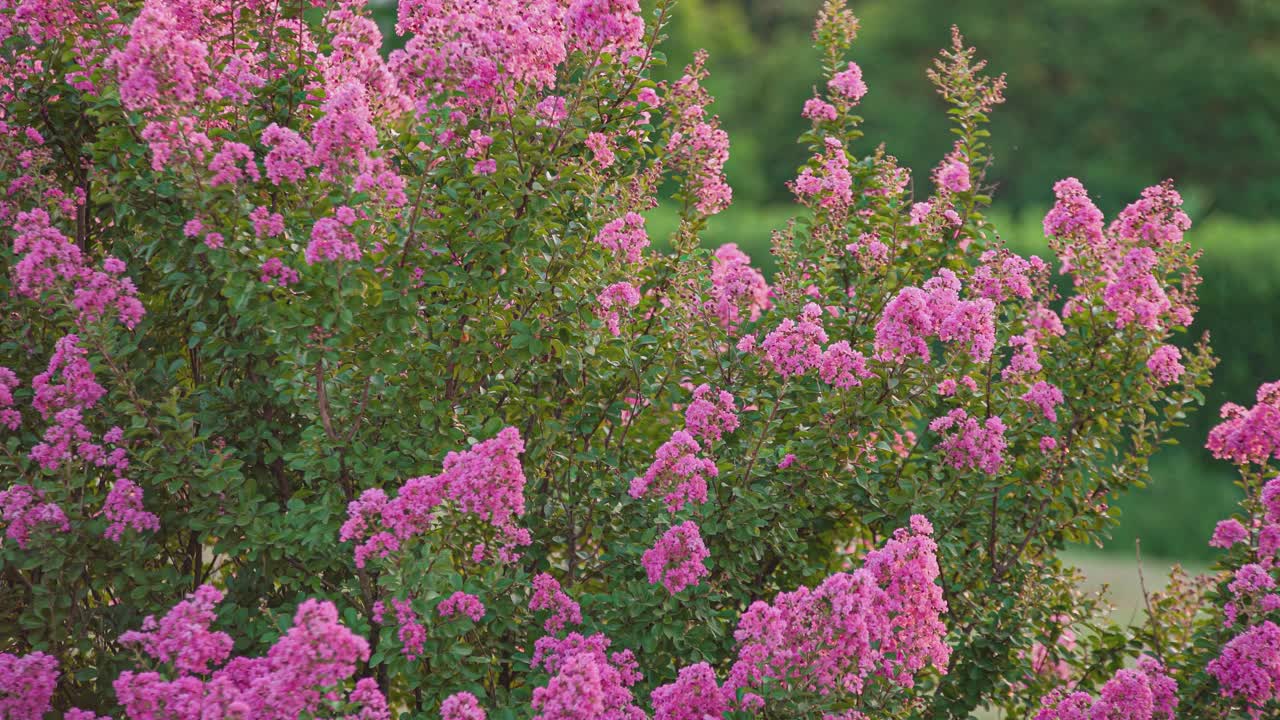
x=337, y=385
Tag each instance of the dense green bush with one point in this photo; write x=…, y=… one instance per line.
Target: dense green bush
x=348, y=386
x=1239, y=304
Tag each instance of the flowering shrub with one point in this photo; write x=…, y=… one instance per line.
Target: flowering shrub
x=363, y=375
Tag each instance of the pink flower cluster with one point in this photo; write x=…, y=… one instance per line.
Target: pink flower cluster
x=1248, y=669
x=625, y=236
x=9, y=417
x=123, y=510
x=1142, y=693
x=831, y=184
x=848, y=84
x=870, y=250
x=299, y=675
x=698, y=146
x=587, y=681
x=1003, y=275
x=1164, y=364
x=68, y=438
x=598, y=144
x=1136, y=261
x=617, y=295
x=971, y=444
x=917, y=314
x=23, y=509
x=289, y=155
x=1155, y=219
x=332, y=239
x=160, y=64
x=695, y=695
x=1074, y=216
x=409, y=630
x=462, y=603
x=1249, y=435
x=485, y=481
x=736, y=287
x=711, y=414
x=1228, y=533
x=461, y=706
x=27, y=683
x=677, y=473
x=678, y=559
x=604, y=25
x=343, y=141
x=952, y=176
x=842, y=367
x=49, y=262
x=795, y=346
x=1134, y=294
x=233, y=163
x=182, y=637
x=818, y=110
x=884, y=619
x=1046, y=397
x=547, y=595
x=481, y=49
x=274, y=271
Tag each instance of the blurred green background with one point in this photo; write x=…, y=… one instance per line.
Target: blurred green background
x=1119, y=93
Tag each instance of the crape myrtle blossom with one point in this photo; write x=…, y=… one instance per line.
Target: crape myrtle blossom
x=915, y=315
x=677, y=560
x=587, y=681
x=842, y=366
x=1074, y=215
x=548, y=596
x=795, y=346
x=818, y=110
x=711, y=414
x=486, y=482
x=182, y=637
x=1228, y=533
x=625, y=236
x=969, y=443
x=695, y=695
x=1045, y=396
x=604, y=25
x=612, y=301
x=52, y=267
x=1248, y=670
x=677, y=473
x=1164, y=364
x=24, y=510
x=1004, y=275
x=826, y=181
x=301, y=673
x=1131, y=261
x=409, y=628
x=1142, y=693
x=736, y=287
x=952, y=174
x=27, y=683
x=848, y=84
x=884, y=619
x=1271, y=500
x=1249, y=435
x=698, y=147
x=461, y=603
x=461, y=706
